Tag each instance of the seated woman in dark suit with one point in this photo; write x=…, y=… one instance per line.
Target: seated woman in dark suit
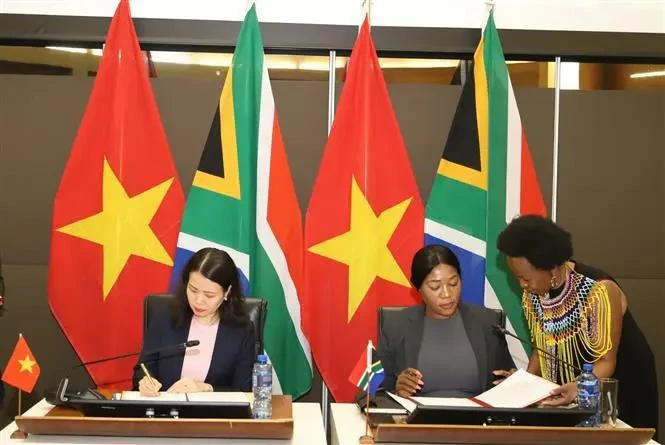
x=211, y=309
x=443, y=348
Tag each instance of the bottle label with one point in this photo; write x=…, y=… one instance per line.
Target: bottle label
x=263, y=379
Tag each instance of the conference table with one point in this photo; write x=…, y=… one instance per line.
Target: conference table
x=307, y=430
x=348, y=424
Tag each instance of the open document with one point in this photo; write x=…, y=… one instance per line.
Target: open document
x=519, y=390
x=163, y=396
x=216, y=397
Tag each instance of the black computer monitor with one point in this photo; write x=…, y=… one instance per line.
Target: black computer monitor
x=498, y=416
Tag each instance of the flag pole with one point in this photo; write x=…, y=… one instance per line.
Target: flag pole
x=18, y=411
x=490, y=5
x=332, y=64
x=367, y=412
x=555, y=141
x=18, y=434
x=367, y=437
x=367, y=9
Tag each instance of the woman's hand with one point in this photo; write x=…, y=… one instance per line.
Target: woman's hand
x=561, y=396
x=408, y=382
x=502, y=373
x=187, y=384
x=149, y=387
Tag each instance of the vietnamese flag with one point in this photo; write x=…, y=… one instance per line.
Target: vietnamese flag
x=363, y=225
x=22, y=370
x=116, y=213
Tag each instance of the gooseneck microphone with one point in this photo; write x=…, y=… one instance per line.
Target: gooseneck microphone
x=61, y=396
x=170, y=348
x=505, y=331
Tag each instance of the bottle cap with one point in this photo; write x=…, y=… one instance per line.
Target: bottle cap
x=587, y=367
x=262, y=359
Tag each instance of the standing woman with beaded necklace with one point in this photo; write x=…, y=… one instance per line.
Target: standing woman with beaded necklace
x=579, y=314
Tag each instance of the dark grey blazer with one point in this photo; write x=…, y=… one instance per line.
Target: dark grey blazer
x=401, y=335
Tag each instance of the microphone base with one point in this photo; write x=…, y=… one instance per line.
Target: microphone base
x=62, y=394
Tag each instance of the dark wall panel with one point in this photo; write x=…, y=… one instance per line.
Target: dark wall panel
x=612, y=197
x=302, y=110
x=536, y=107
x=425, y=116
x=612, y=193
x=38, y=122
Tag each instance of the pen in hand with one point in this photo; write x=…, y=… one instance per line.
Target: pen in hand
x=151, y=381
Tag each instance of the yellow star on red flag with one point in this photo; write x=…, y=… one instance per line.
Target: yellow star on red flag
x=364, y=247
x=27, y=364
x=122, y=228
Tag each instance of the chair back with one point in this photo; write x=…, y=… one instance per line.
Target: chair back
x=387, y=311
x=256, y=310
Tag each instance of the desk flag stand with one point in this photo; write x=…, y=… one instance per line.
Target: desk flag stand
x=21, y=372
x=367, y=438
x=18, y=434
x=367, y=375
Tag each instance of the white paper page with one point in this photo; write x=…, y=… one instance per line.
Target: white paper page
x=406, y=403
x=221, y=397
x=162, y=397
x=518, y=391
x=444, y=401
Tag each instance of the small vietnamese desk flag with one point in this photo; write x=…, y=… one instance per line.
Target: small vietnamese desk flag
x=22, y=370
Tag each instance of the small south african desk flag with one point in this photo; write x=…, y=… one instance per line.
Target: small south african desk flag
x=368, y=372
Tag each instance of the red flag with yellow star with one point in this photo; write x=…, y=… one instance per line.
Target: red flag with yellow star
x=22, y=370
x=116, y=213
x=364, y=223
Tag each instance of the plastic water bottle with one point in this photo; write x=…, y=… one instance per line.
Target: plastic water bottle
x=262, y=388
x=588, y=394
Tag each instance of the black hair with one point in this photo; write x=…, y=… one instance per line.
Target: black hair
x=218, y=266
x=427, y=258
x=544, y=244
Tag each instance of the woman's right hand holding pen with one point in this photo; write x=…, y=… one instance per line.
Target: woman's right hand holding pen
x=149, y=386
x=409, y=382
